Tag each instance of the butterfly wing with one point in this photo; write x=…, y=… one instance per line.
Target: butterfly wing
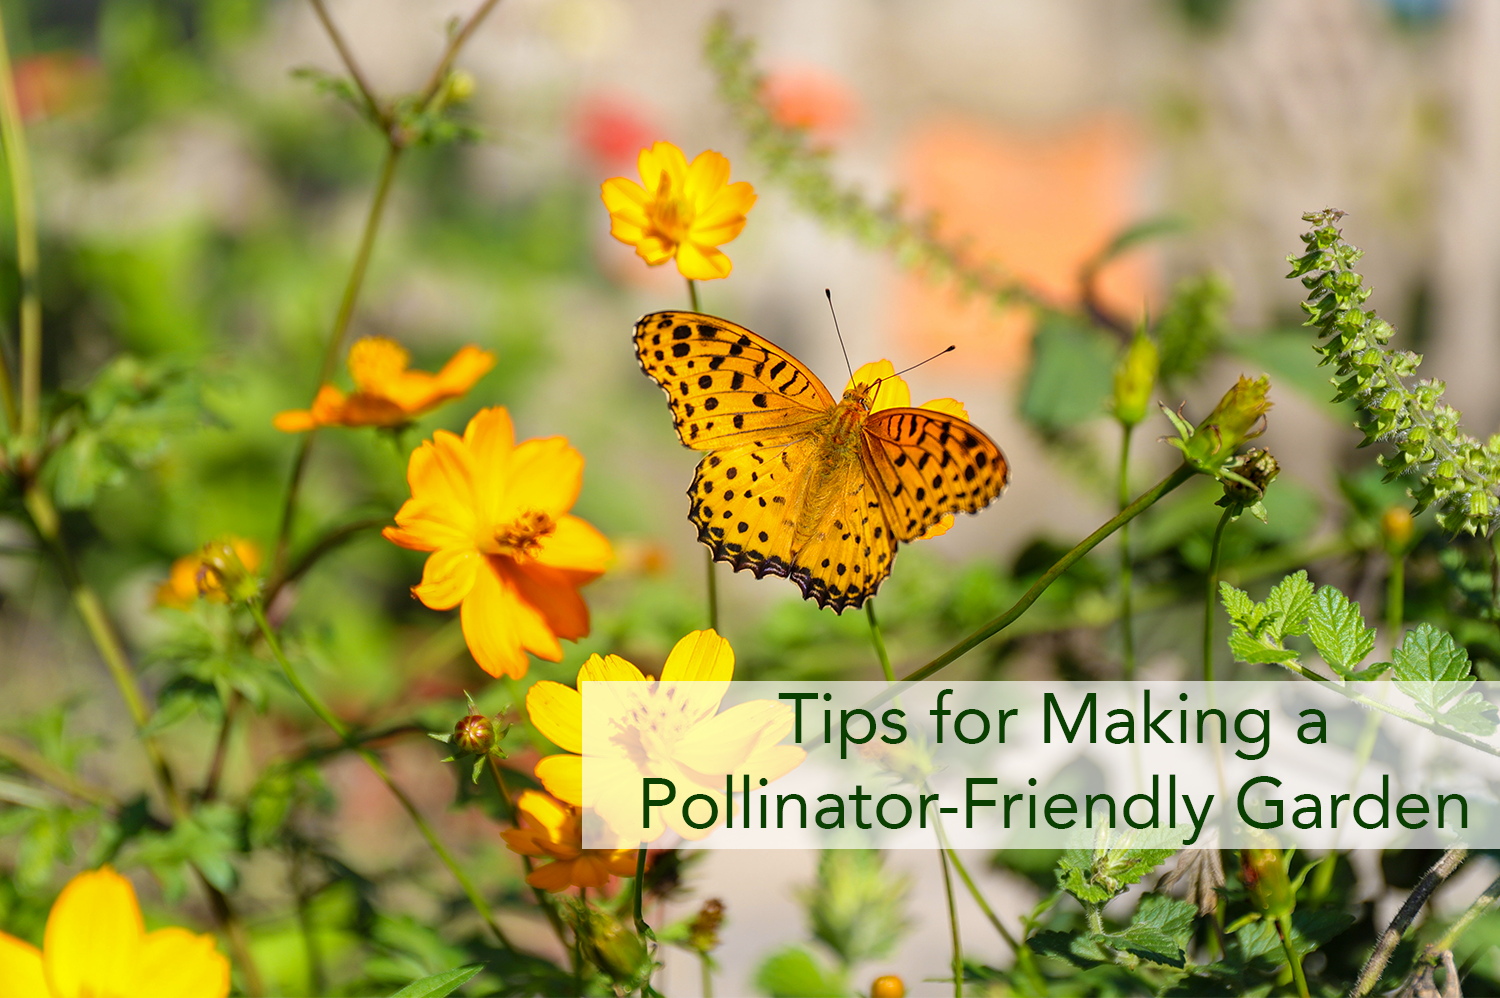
x=727, y=386
x=756, y=507
x=928, y=463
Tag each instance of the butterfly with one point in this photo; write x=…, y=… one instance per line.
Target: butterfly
x=798, y=484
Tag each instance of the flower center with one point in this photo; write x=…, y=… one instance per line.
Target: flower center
x=671, y=214
x=522, y=538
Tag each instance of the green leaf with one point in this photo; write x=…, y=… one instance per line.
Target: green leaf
x=856, y=906
x=1082, y=950
x=1311, y=928
x=1338, y=631
x=1237, y=603
x=1433, y=670
x=1071, y=377
x=1149, y=944
x=1247, y=649
x=1290, y=600
x=795, y=973
x=1094, y=876
x=439, y=985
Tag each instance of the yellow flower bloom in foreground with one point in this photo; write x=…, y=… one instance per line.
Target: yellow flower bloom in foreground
x=894, y=393
x=97, y=946
x=495, y=516
x=683, y=211
x=191, y=577
x=671, y=729
x=386, y=392
x=554, y=830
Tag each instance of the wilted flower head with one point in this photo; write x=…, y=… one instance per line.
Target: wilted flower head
x=550, y=829
x=221, y=570
x=1211, y=446
x=505, y=549
x=684, y=211
x=386, y=392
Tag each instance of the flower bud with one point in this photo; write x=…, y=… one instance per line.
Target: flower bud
x=889, y=986
x=1396, y=528
x=612, y=949
x=703, y=930
x=1211, y=446
x=474, y=734
x=1254, y=471
x=1135, y=376
x=222, y=574
x=459, y=87
x=1264, y=874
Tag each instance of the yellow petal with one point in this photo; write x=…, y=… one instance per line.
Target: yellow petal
x=428, y=525
x=706, y=176
x=557, y=712
x=724, y=216
x=626, y=201
x=488, y=621
x=722, y=743
x=590, y=870
x=550, y=608
x=463, y=370
x=21, y=973
x=575, y=545
x=447, y=577
x=94, y=936
x=700, y=656
x=608, y=669
x=702, y=263
x=375, y=362
x=655, y=249
x=176, y=963
x=562, y=775
x=949, y=407
x=442, y=475
x=545, y=476
x=662, y=162
x=294, y=421
x=490, y=437
x=554, y=877
x=892, y=393
x=549, y=816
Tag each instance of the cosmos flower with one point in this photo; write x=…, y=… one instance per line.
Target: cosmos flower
x=386, y=392
x=96, y=946
x=684, y=212
x=550, y=829
x=504, y=547
x=192, y=575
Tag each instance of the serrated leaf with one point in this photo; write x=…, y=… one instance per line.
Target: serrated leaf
x=1247, y=649
x=1432, y=669
x=1148, y=943
x=1338, y=630
x=439, y=985
x=1237, y=603
x=1094, y=876
x=1290, y=599
x=1311, y=928
x=1082, y=950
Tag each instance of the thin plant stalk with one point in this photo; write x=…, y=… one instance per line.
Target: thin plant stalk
x=693, y=294
x=705, y=976
x=1210, y=595
x=879, y=641
x=1481, y=904
x=23, y=200
x=1127, y=624
x=1395, y=597
x=1284, y=930
x=713, y=591
x=373, y=761
x=958, y=950
x=1083, y=547
x=641, y=925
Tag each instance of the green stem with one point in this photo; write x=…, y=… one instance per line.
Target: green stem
x=1127, y=625
x=1284, y=930
x=1481, y=904
x=693, y=294
x=958, y=952
x=713, y=593
x=1000, y=623
x=373, y=761
x=640, y=894
x=706, y=976
x=885, y=659
x=335, y=341
x=1210, y=595
x=23, y=199
x=1395, y=597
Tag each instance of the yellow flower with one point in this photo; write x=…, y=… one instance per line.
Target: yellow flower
x=495, y=516
x=894, y=393
x=386, y=392
x=683, y=211
x=97, y=946
x=668, y=730
x=548, y=828
x=193, y=575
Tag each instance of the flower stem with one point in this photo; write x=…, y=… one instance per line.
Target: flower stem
x=1481, y=904
x=1127, y=626
x=640, y=894
x=1209, y=596
x=885, y=659
x=23, y=199
x=706, y=976
x=958, y=952
x=1284, y=930
x=1395, y=595
x=713, y=593
x=373, y=761
x=693, y=294
x=1083, y=547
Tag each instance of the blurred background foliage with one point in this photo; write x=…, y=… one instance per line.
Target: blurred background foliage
x=200, y=202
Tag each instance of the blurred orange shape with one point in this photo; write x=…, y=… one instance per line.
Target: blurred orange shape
x=810, y=99
x=1038, y=206
x=53, y=83
x=611, y=130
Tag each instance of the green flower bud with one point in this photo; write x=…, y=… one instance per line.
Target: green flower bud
x=1264, y=874
x=1396, y=528
x=474, y=734
x=620, y=954
x=1135, y=376
x=1239, y=416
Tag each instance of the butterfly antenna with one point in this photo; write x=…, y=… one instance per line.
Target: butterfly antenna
x=927, y=361
x=840, y=333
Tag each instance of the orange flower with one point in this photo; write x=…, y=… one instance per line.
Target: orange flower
x=546, y=827
x=684, y=212
x=386, y=392
x=192, y=576
x=894, y=393
x=96, y=946
x=495, y=516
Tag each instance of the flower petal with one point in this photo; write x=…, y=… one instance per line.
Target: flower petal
x=893, y=392
x=294, y=421
x=575, y=546
x=21, y=973
x=544, y=476
x=487, y=616
x=702, y=263
x=429, y=525
x=557, y=712
x=724, y=215
x=663, y=161
x=589, y=870
x=700, y=656
x=655, y=249
x=949, y=407
x=608, y=669
x=626, y=202
x=94, y=935
x=447, y=577
x=706, y=176
x=555, y=876
x=463, y=370
x=176, y=963
x=557, y=608
x=562, y=775
x=722, y=743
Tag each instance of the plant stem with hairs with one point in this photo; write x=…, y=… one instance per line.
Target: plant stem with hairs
x=958, y=948
x=1386, y=945
x=1211, y=594
x=373, y=761
x=1127, y=626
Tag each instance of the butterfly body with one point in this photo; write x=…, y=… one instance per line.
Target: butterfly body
x=800, y=485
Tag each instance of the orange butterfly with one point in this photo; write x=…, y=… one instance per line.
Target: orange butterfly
x=797, y=484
